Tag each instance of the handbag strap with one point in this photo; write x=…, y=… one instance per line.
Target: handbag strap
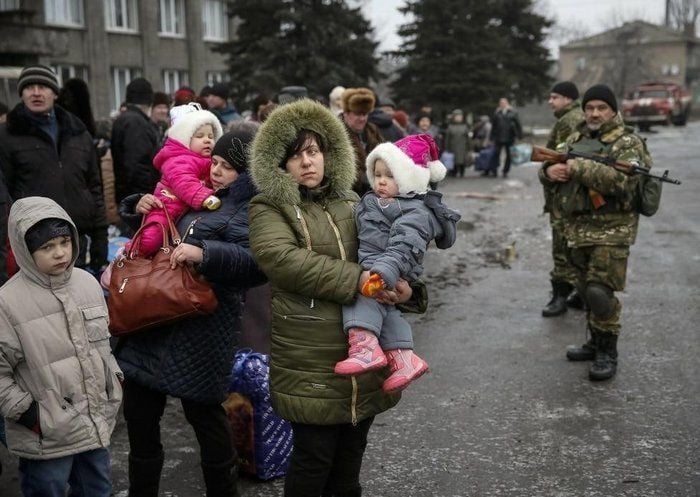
x=136, y=239
x=174, y=233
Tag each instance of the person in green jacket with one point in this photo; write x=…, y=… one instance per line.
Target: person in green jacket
x=303, y=236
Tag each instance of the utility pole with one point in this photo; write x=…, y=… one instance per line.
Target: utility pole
x=667, y=21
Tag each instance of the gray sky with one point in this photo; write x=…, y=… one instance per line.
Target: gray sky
x=589, y=16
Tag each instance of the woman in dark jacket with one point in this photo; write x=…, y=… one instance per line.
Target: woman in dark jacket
x=191, y=359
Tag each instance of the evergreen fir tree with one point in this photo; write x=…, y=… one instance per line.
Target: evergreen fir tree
x=314, y=43
x=468, y=53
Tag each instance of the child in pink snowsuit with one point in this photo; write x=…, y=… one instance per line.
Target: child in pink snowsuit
x=184, y=163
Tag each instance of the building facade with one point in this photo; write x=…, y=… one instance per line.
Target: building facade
x=110, y=42
x=634, y=53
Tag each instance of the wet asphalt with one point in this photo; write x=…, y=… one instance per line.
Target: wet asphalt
x=503, y=413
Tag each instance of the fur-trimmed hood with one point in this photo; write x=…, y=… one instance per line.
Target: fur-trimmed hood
x=280, y=130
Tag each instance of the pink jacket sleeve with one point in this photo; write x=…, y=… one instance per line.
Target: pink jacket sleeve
x=184, y=176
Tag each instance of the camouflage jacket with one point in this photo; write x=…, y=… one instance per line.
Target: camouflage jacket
x=567, y=119
x=615, y=222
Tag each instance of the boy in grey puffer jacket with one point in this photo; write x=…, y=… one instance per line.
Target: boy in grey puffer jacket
x=395, y=221
x=59, y=383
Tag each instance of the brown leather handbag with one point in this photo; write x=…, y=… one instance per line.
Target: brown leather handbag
x=147, y=292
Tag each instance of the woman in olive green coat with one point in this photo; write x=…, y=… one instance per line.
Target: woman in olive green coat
x=303, y=236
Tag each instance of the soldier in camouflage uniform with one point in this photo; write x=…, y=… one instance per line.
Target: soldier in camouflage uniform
x=597, y=203
x=563, y=99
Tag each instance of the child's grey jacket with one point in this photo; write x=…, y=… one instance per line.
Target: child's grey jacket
x=394, y=233
x=55, y=358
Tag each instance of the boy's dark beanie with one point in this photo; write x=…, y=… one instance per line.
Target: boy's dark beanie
x=45, y=230
x=565, y=89
x=600, y=92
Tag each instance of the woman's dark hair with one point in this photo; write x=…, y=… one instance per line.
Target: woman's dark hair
x=75, y=98
x=302, y=139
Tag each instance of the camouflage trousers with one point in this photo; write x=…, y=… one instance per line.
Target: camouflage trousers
x=606, y=265
x=563, y=269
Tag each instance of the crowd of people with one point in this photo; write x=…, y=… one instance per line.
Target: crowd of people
x=310, y=220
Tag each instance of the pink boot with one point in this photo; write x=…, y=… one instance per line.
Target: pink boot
x=405, y=367
x=365, y=354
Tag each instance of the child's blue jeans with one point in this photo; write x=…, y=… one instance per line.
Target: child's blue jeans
x=87, y=474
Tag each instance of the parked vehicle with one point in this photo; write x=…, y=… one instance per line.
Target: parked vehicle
x=656, y=103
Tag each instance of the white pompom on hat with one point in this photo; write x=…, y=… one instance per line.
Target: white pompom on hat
x=413, y=161
x=187, y=119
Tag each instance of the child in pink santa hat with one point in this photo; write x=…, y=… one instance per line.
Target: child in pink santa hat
x=395, y=223
x=184, y=163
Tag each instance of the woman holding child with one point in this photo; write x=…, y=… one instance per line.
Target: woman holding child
x=191, y=359
x=303, y=236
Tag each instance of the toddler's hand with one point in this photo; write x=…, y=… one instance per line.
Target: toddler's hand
x=211, y=203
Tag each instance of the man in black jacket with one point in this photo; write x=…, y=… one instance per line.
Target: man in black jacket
x=135, y=143
x=505, y=130
x=46, y=151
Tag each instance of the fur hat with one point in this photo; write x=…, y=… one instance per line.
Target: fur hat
x=45, y=230
x=139, y=92
x=38, y=74
x=359, y=100
x=187, y=119
x=336, y=92
x=600, y=92
x=413, y=161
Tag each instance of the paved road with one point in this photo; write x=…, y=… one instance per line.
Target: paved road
x=503, y=413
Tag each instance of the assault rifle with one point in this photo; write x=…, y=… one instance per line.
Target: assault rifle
x=541, y=154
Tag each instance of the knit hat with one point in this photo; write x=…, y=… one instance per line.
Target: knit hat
x=413, y=161
x=359, y=100
x=234, y=147
x=290, y=94
x=184, y=95
x=139, y=92
x=565, y=89
x=39, y=75
x=600, y=92
x=221, y=90
x=45, y=230
x=187, y=119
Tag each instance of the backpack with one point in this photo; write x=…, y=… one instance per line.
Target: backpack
x=648, y=197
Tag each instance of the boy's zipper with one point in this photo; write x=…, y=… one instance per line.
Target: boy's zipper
x=307, y=236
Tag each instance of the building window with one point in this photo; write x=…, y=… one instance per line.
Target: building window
x=214, y=77
x=64, y=72
x=122, y=76
x=172, y=17
x=121, y=15
x=173, y=80
x=215, y=20
x=9, y=5
x=64, y=12
x=581, y=63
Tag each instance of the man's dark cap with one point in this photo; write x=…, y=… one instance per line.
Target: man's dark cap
x=600, y=92
x=37, y=75
x=139, y=92
x=565, y=89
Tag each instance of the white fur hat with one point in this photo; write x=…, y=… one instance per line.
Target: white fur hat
x=187, y=119
x=413, y=162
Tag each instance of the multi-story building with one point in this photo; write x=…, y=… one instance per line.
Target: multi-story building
x=110, y=42
x=633, y=53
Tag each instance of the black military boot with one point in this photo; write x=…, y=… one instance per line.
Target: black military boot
x=585, y=352
x=575, y=301
x=557, y=306
x=604, y=366
x=221, y=480
x=144, y=476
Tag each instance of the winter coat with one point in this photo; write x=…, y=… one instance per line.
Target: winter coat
x=505, y=126
x=394, y=233
x=180, y=188
x=191, y=359
x=306, y=243
x=134, y=144
x=457, y=142
x=54, y=350
x=385, y=124
x=4, y=211
x=363, y=144
x=68, y=173
x=614, y=222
